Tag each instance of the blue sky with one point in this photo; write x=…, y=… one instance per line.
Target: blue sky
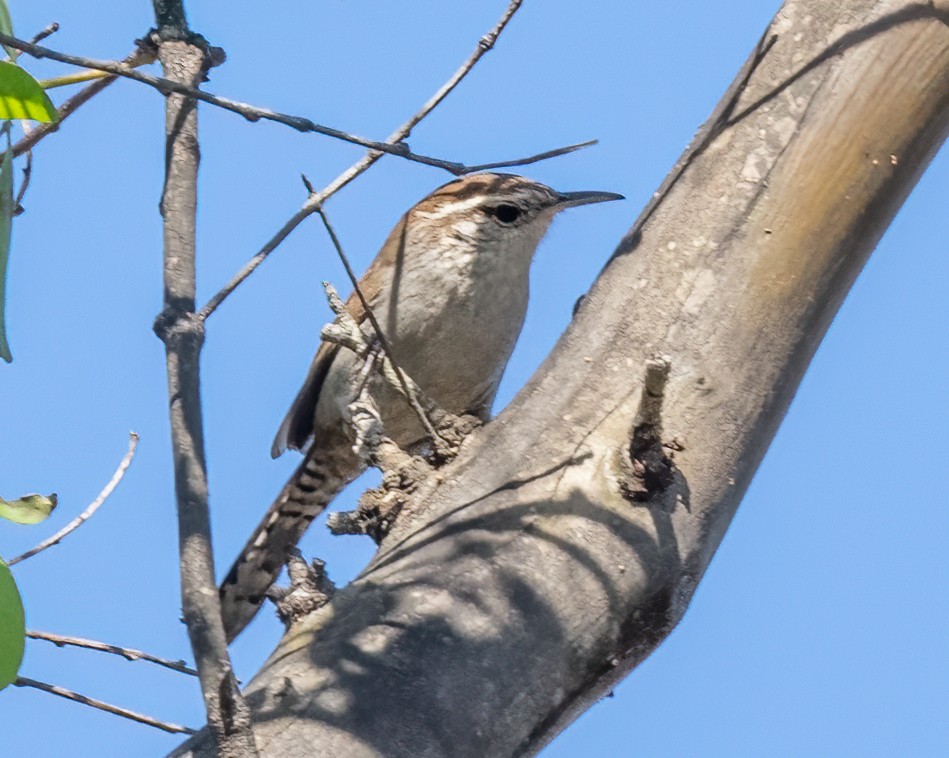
x=821, y=626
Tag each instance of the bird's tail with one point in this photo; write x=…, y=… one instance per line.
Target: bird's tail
x=304, y=497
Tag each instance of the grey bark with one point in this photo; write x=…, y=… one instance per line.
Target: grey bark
x=568, y=538
x=185, y=60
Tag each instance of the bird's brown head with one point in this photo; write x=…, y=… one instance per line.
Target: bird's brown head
x=498, y=212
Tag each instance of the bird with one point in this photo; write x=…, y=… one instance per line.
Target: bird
x=449, y=290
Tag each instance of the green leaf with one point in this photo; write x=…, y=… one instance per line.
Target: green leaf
x=21, y=96
x=6, y=229
x=6, y=26
x=12, y=627
x=29, y=509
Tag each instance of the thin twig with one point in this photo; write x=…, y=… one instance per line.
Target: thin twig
x=77, y=77
x=38, y=37
x=22, y=681
x=250, y=112
x=24, y=185
x=248, y=268
x=346, y=332
x=139, y=57
x=544, y=156
x=48, y=31
x=314, y=201
x=410, y=395
x=90, y=509
x=130, y=654
x=484, y=45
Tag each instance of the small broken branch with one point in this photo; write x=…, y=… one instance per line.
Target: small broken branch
x=401, y=472
x=50, y=30
x=310, y=588
x=649, y=470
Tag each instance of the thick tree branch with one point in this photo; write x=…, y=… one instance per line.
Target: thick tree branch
x=187, y=60
x=566, y=541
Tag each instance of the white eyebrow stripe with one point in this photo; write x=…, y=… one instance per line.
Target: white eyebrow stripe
x=457, y=206
x=472, y=202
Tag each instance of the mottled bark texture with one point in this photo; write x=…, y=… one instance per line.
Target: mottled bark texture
x=566, y=541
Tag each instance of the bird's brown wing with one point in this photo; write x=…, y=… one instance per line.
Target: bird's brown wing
x=297, y=428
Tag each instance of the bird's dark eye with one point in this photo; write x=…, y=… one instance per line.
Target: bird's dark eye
x=505, y=213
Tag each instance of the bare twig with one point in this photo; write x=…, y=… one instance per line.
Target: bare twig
x=130, y=654
x=76, y=77
x=250, y=112
x=363, y=164
x=90, y=509
x=139, y=57
x=22, y=681
x=402, y=472
x=310, y=588
x=186, y=57
x=544, y=156
x=248, y=268
x=484, y=45
x=24, y=185
x=38, y=37
x=48, y=31
x=408, y=391
x=345, y=331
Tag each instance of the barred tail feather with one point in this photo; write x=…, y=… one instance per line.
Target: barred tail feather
x=304, y=497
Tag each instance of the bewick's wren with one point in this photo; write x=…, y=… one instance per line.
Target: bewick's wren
x=449, y=288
